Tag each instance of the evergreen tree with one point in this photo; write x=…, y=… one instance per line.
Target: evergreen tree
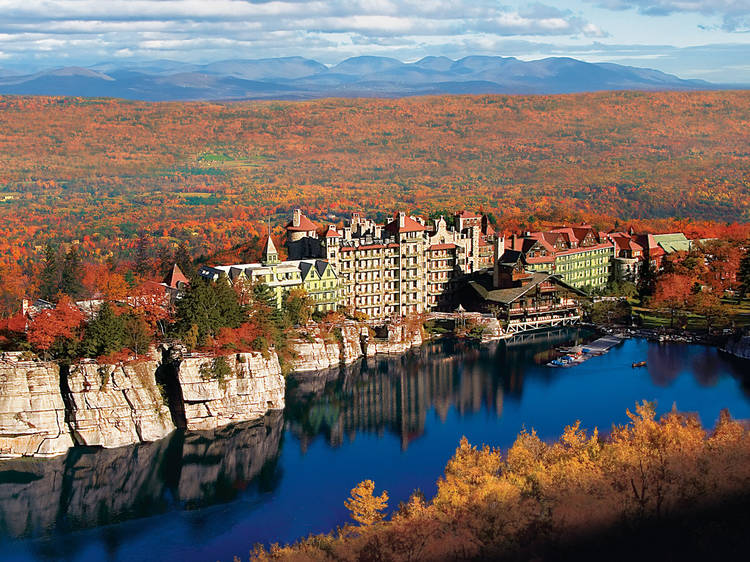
x=71, y=278
x=184, y=260
x=49, y=278
x=647, y=280
x=105, y=334
x=264, y=302
x=136, y=333
x=209, y=306
x=297, y=307
x=142, y=264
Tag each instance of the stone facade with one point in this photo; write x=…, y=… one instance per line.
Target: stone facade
x=402, y=267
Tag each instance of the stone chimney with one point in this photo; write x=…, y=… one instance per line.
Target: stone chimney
x=401, y=219
x=296, y=217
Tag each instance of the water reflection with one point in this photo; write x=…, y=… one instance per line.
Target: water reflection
x=92, y=487
x=395, y=393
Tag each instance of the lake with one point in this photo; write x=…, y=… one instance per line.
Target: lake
x=395, y=420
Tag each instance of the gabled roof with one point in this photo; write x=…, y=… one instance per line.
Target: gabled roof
x=410, y=225
x=673, y=242
x=511, y=257
x=507, y=296
x=174, y=277
x=624, y=242
x=332, y=232
x=305, y=225
x=234, y=273
x=468, y=215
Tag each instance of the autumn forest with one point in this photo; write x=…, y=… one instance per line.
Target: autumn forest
x=102, y=173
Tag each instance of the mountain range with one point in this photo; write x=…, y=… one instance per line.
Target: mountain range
x=365, y=76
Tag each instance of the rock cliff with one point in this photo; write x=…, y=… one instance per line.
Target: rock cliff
x=32, y=411
x=323, y=349
x=220, y=390
x=116, y=405
x=400, y=339
x=44, y=409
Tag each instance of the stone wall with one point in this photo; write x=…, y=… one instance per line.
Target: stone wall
x=32, y=412
x=253, y=386
x=116, y=405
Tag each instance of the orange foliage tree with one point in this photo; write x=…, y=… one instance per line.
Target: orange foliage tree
x=49, y=326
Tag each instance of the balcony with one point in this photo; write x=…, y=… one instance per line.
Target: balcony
x=541, y=309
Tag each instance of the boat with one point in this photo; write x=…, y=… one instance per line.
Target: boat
x=639, y=364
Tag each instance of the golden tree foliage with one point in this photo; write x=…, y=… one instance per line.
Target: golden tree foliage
x=543, y=494
x=364, y=506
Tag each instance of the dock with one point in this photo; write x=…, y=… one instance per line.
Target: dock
x=580, y=353
x=604, y=344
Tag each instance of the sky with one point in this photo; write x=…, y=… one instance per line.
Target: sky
x=707, y=39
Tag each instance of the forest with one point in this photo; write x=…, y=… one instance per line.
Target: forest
x=654, y=488
x=113, y=178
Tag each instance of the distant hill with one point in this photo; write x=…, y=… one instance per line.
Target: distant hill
x=366, y=76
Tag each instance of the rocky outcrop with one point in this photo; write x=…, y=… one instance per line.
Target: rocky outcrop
x=116, y=405
x=220, y=390
x=401, y=338
x=45, y=410
x=322, y=349
x=326, y=348
x=32, y=411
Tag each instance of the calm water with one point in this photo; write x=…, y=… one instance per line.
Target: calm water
x=397, y=421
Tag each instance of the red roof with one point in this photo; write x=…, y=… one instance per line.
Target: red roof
x=410, y=225
x=442, y=247
x=331, y=232
x=175, y=276
x=624, y=242
x=468, y=215
x=305, y=225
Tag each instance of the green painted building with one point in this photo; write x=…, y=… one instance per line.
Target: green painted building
x=317, y=277
x=580, y=256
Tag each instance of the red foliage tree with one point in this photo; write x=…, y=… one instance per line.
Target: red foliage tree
x=672, y=293
x=49, y=325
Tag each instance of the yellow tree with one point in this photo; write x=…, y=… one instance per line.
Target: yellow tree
x=365, y=507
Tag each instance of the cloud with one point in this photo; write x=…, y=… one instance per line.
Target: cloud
x=735, y=14
x=89, y=30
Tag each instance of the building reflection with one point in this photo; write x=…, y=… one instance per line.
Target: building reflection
x=395, y=394
x=92, y=487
